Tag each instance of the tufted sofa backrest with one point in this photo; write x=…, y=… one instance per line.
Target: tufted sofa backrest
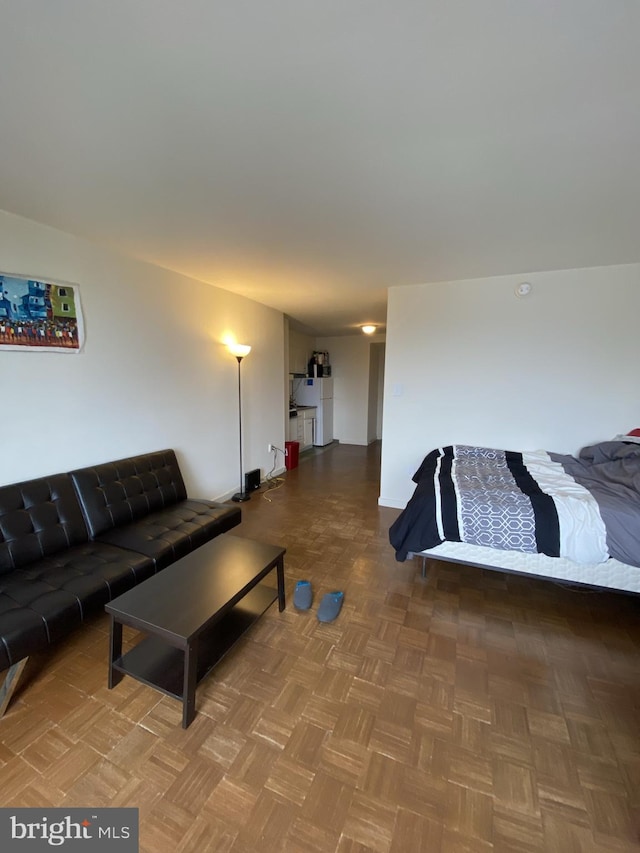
x=120, y=492
x=38, y=518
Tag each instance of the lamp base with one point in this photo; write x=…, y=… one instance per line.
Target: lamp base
x=241, y=497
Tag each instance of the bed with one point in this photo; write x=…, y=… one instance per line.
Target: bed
x=573, y=519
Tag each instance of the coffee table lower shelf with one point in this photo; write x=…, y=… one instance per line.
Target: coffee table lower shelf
x=157, y=664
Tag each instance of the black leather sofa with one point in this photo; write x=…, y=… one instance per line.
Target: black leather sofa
x=71, y=542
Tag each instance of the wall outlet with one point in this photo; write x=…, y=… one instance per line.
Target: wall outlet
x=269, y=448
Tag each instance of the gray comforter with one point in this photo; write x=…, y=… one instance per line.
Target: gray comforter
x=611, y=472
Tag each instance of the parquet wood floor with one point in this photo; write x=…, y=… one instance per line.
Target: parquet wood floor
x=471, y=711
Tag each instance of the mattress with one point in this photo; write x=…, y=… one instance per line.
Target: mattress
x=611, y=574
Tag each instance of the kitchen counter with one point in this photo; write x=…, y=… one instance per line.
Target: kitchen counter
x=301, y=426
x=294, y=412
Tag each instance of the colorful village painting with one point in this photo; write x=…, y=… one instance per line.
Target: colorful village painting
x=36, y=314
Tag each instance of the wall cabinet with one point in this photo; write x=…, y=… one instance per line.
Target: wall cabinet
x=300, y=348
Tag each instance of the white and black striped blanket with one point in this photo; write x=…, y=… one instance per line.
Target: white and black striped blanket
x=500, y=499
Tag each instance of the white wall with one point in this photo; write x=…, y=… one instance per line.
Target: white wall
x=468, y=362
x=350, y=365
x=154, y=372
x=378, y=353
x=373, y=393
x=376, y=380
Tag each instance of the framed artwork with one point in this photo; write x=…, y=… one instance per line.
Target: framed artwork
x=39, y=315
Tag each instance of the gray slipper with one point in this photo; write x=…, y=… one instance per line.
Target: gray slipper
x=303, y=595
x=330, y=606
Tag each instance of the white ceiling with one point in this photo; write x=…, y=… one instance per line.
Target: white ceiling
x=311, y=153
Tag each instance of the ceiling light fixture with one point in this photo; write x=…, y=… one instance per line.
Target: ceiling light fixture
x=523, y=289
x=368, y=330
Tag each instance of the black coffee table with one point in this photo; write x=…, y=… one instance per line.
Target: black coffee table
x=192, y=613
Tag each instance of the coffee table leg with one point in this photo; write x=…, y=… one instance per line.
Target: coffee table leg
x=190, y=683
x=280, y=574
x=115, y=651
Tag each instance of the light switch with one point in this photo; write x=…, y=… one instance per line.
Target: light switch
x=398, y=390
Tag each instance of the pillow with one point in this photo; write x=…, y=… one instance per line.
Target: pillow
x=633, y=437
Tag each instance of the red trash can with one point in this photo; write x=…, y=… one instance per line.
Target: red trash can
x=291, y=452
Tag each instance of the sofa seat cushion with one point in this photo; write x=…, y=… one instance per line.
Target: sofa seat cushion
x=170, y=533
x=42, y=602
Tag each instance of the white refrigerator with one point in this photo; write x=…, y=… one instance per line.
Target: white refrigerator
x=319, y=393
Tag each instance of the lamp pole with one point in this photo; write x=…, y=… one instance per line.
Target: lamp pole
x=239, y=351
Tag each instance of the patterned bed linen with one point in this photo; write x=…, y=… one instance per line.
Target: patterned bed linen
x=500, y=499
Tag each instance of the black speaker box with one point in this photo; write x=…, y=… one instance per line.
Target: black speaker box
x=252, y=480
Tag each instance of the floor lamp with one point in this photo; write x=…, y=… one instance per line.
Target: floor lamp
x=239, y=351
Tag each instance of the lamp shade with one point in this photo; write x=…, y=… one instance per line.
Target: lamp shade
x=239, y=350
